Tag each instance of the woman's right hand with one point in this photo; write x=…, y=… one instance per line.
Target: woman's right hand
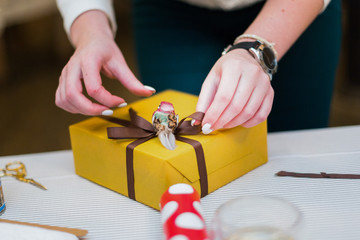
x=96, y=51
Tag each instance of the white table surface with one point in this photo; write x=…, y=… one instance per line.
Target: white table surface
x=330, y=207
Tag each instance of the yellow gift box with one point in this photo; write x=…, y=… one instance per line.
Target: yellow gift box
x=228, y=153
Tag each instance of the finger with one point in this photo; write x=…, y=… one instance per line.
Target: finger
x=263, y=112
x=86, y=107
x=122, y=72
x=236, y=96
x=60, y=98
x=105, y=69
x=245, y=103
x=249, y=113
x=195, y=122
x=75, y=97
x=224, y=95
x=60, y=103
x=70, y=73
x=208, y=91
x=93, y=84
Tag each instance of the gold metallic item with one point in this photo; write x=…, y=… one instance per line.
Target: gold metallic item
x=17, y=170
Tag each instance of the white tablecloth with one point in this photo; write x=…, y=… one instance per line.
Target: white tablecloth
x=330, y=207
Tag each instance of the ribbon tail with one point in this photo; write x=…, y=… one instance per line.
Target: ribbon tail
x=130, y=165
x=200, y=157
x=317, y=175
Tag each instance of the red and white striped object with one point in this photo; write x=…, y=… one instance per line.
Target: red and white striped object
x=181, y=213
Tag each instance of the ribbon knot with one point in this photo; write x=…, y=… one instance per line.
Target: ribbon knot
x=140, y=129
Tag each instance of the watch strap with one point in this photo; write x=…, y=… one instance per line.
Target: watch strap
x=245, y=45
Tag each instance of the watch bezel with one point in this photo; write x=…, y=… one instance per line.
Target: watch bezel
x=258, y=54
x=265, y=51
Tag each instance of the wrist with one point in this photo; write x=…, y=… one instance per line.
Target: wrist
x=252, y=37
x=88, y=26
x=261, y=50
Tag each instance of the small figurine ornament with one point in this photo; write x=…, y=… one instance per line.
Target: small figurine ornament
x=165, y=121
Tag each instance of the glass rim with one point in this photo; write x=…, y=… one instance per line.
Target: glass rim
x=281, y=200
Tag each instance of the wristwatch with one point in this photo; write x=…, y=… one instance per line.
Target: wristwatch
x=263, y=54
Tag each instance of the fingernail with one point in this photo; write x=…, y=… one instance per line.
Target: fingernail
x=124, y=104
x=150, y=88
x=192, y=122
x=107, y=112
x=206, y=129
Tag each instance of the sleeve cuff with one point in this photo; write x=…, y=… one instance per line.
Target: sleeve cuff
x=71, y=9
x=326, y=3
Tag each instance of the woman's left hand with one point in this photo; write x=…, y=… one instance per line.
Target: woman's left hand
x=236, y=92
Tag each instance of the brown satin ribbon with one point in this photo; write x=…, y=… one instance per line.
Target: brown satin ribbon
x=142, y=131
x=318, y=175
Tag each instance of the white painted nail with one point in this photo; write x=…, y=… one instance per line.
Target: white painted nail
x=192, y=122
x=107, y=112
x=206, y=129
x=124, y=104
x=150, y=88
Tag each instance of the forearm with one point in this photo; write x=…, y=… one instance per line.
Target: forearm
x=282, y=22
x=70, y=10
x=89, y=24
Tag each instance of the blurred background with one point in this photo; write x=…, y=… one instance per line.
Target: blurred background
x=34, y=49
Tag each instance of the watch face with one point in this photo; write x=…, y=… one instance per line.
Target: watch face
x=269, y=58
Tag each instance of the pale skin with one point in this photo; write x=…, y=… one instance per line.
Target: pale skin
x=236, y=91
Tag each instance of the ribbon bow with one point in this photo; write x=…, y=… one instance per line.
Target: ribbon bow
x=142, y=131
